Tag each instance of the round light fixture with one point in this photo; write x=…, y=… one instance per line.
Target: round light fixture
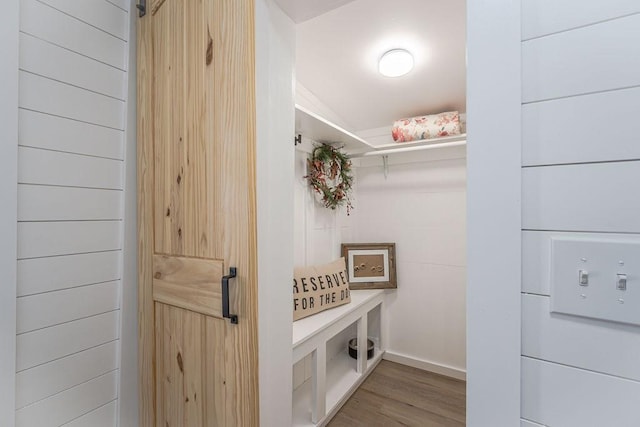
x=395, y=63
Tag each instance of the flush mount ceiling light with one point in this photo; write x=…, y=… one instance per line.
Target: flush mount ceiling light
x=395, y=63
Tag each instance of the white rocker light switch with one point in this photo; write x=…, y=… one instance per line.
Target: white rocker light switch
x=621, y=283
x=583, y=277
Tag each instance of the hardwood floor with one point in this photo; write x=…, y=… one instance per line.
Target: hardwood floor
x=398, y=395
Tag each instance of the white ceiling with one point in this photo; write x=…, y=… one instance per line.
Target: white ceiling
x=301, y=10
x=337, y=54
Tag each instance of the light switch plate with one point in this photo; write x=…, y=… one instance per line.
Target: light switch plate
x=603, y=259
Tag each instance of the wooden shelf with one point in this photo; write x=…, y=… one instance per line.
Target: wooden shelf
x=423, y=146
x=316, y=128
x=319, y=129
x=422, y=142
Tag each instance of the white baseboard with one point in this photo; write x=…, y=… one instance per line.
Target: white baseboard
x=436, y=368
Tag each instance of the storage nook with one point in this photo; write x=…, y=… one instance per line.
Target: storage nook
x=408, y=190
x=324, y=374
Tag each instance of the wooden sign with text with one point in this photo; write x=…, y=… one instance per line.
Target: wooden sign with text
x=318, y=288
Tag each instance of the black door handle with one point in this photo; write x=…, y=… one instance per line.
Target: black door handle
x=225, y=296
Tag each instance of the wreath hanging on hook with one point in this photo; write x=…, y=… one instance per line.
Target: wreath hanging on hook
x=329, y=174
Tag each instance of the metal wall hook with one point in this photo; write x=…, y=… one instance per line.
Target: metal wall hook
x=233, y=318
x=142, y=8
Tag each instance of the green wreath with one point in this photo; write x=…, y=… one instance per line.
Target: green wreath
x=329, y=174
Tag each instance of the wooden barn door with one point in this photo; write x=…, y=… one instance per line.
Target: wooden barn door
x=196, y=183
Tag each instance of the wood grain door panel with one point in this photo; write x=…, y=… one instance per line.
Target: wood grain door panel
x=189, y=368
x=188, y=160
x=189, y=283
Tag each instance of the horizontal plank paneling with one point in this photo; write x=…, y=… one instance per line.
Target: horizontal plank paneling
x=540, y=17
x=46, y=23
x=581, y=129
x=70, y=404
x=104, y=416
x=600, y=57
x=557, y=395
x=590, y=197
x=98, y=13
x=50, y=274
x=39, y=239
x=53, y=308
x=536, y=248
x=49, y=96
x=40, y=203
x=46, y=380
x=57, y=133
x=46, y=59
x=37, y=166
x=45, y=345
x=72, y=84
x=592, y=342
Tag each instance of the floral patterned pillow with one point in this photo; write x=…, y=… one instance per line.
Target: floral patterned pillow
x=426, y=127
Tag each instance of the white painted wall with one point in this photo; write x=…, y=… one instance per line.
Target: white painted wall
x=493, y=212
x=576, y=164
x=275, y=49
x=421, y=206
x=9, y=20
x=72, y=103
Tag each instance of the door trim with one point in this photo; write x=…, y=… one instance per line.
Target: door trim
x=146, y=244
x=9, y=27
x=494, y=213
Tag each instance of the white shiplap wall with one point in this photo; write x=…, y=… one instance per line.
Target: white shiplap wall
x=73, y=61
x=581, y=169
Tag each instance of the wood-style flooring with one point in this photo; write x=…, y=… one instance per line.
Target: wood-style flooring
x=398, y=395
